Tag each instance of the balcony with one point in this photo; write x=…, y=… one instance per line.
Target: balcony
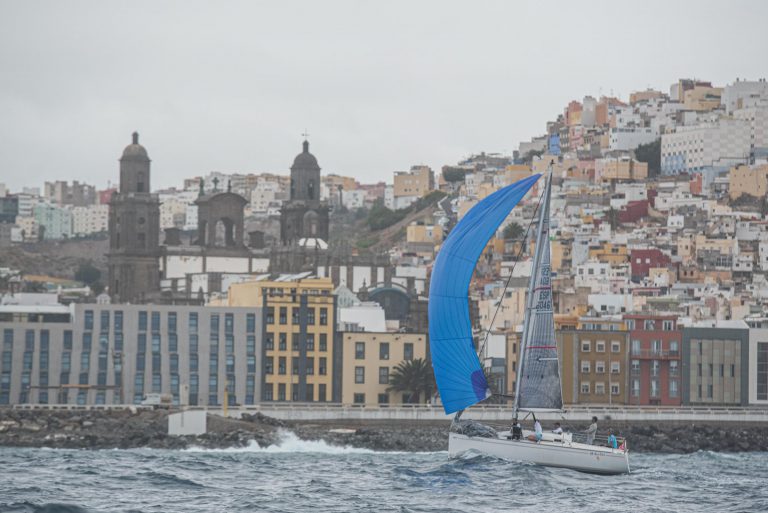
x=650, y=354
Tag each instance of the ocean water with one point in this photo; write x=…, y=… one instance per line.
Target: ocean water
x=300, y=476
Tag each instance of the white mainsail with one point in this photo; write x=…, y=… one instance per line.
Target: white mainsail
x=538, y=376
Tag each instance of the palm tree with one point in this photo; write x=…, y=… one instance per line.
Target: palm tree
x=413, y=377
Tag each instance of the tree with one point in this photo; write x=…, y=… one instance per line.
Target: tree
x=513, y=231
x=87, y=273
x=413, y=377
x=454, y=174
x=651, y=154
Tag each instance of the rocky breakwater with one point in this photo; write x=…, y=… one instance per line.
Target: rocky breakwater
x=124, y=429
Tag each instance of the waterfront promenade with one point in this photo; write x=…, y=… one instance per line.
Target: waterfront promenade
x=490, y=413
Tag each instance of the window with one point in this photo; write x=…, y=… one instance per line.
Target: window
x=668, y=325
x=673, y=348
x=654, y=388
x=323, y=342
x=656, y=346
x=323, y=316
x=649, y=325
x=711, y=370
x=172, y=318
x=250, y=344
x=655, y=367
x=193, y=363
x=600, y=346
x=268, y=365
x=321, y=392
x=384, y=351
x=359, y=350
x=673, y=388
x=104, y=320
x=615, y=367
x=281, y=392
x=282, y=341
x=229, y=343
x=615, y=346
x=722, y=370
x=615, y=389
x=310, y=342
x=270, y=315
x=585, y=366
x=585, y=387
x=311, y=316
x=310, y=370
x=89, y=320
x=295, y=366
x=359, y=374
x=408, y=351
x=214, y=326
x=250, y=323
x=322, y=367
x=674, y=370
x=193, y=322
x=283, y=315
x=281, y=365
x=630, y=324
x=295, y=315
x=383, y=375
x=600, y=388
x=383, y=398
x=586, y=346
x=635, y=388
x=636, y=347
x=173, y=342
x=600, y=367
x=699, y=370
x=310, y=392
x=155, y=321
x=359, y=398
x=269, y=341
x=709, y=391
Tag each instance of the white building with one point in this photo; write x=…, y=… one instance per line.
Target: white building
x=593, y=274
x=90, y=219
x=29, y=229
x=743, y=92
x=707, y=146
x=626, y=139
x=353, y=200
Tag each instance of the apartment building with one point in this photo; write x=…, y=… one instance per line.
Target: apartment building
x=115, y=354
x=715, y=363
x=594, y=366
x=369, y=360
x=655, y=359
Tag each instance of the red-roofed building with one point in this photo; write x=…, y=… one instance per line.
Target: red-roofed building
x=642, y=260
x=655, y=365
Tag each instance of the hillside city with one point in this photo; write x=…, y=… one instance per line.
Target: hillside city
x=241, y=288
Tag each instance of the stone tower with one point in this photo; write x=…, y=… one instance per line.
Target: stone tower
x=304, y=216
x=134, y=230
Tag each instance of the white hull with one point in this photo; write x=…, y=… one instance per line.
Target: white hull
x=576, y=456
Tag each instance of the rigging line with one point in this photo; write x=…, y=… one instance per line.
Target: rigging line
x=511, y=272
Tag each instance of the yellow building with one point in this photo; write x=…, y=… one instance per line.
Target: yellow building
x=752, y=181
x=417, y=182
x=298, y=347
x=593, y=366
x=417, y=233
x=702, y=98
x=368, y=362
x=620, y=169
x=562, y=257
x=333, y=182
x=609, y=253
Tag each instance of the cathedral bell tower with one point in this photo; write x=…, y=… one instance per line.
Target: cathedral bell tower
x=134, y=230
x=304, y=216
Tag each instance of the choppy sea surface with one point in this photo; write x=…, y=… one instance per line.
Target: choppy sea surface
x=298, y=476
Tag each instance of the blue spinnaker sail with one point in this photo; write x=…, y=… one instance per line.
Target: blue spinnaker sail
x=459, y=376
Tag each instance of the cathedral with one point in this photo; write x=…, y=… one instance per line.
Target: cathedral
x=134, y=229
x=304, y=217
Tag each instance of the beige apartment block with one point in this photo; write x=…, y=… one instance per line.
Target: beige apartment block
x=749, y=180
x=416, y=182
x=369, y=358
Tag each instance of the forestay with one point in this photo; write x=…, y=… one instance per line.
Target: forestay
x=458, y=373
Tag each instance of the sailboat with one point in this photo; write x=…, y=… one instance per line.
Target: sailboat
x=458, y=372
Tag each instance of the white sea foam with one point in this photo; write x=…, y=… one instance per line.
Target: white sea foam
x=288, y=443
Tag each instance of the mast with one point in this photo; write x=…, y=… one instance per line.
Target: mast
x=543, y=215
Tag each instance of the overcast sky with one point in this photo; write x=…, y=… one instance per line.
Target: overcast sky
x=379, y=85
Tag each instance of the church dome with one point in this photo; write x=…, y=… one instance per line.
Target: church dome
x=305, y=160
x=135, y=150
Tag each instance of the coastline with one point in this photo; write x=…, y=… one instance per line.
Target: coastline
x=128, y=429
